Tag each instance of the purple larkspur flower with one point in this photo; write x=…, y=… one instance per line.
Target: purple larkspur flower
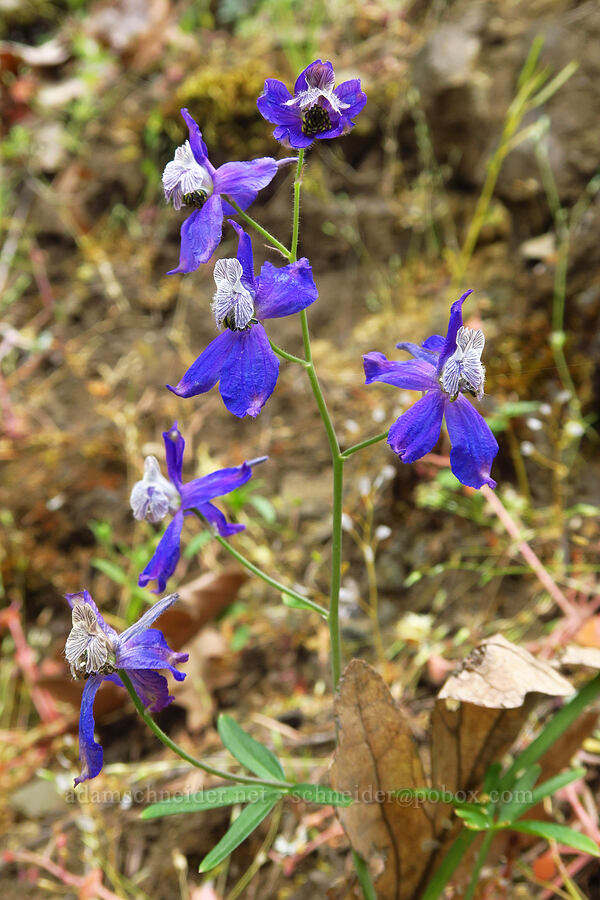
x=155, y=496
x=445, y=369
x=241, y=358
x=317, y=108
x=95, y=651
x=190, y=179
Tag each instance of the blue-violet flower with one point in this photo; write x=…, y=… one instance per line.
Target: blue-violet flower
x=155, y=496
x=241, y=358
x=95, y=651
x=445, y=369
x=317, y=109
x=190, y=179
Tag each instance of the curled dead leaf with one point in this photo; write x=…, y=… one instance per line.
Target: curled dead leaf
x=499, y=675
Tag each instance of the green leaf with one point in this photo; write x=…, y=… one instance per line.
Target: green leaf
x=475, y=817
x=555, y=784
x=197, y=543
x=249, y=819
x=560, y=833
x=208, y=799
x=114, y=572
x=521, y=795
x=491, y=778
x=254, y=756
x=316, y=793
x=294, y=603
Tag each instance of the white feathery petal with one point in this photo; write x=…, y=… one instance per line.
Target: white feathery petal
x=183, y=175
x=231, y=299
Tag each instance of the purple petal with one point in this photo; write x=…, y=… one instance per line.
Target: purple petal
x=473, y=444
x=454, y=324
x=302, y=81
x=240, y=177
x=418, y=352
x=416, y=432
x=174, y=447
x=152, y=689
x=412, y=375
x=282, y=292
x=350, y=92
x=149, y=650
x=271, y=105
x=149, y=617
x=200, y=236
x=203, y=374
x=72, y=599
x=200, y=491
x=435, y=343
x=218, y=520
x=166, y=556
x=196, y=143
x=245, y=257
x=90, y=753
x=293, y=136
x=249, y=373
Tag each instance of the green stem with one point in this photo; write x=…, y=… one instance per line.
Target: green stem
x=337, y=459
x=282, y=588
x=285, y=355
x=363, y=444
x=263, y=231
x=450, y=863
x=364, y=877
x=296, y=219
x=166, y=740
x=481, y=856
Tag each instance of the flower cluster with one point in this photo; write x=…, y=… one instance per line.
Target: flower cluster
x=242, y=360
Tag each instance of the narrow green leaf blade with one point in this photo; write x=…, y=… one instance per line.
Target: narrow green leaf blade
x=297, y=603
x=477, y=819
x=254, y=756
x=521, y=795
x=547, y=788
x=316, y=793
x=249, y=819
x=208, y=799
x=560, y=833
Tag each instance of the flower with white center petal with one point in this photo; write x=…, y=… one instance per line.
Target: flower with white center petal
x=443, y=369
x=317, y=109
x=96, y=652
x=233, y=304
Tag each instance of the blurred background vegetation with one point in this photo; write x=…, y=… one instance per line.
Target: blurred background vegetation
x=476, y=163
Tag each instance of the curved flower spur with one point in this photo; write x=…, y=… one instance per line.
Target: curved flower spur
x=317, y=108
x=190, y=179
x=241, y=358
x=94, y=651
x=445, y=369
x=155, y=496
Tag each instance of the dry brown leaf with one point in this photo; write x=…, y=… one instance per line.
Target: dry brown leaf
x=376, y=755
x=498, y=675
x=467, y=739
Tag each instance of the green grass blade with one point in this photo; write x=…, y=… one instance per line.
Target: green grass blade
x=249, y=819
